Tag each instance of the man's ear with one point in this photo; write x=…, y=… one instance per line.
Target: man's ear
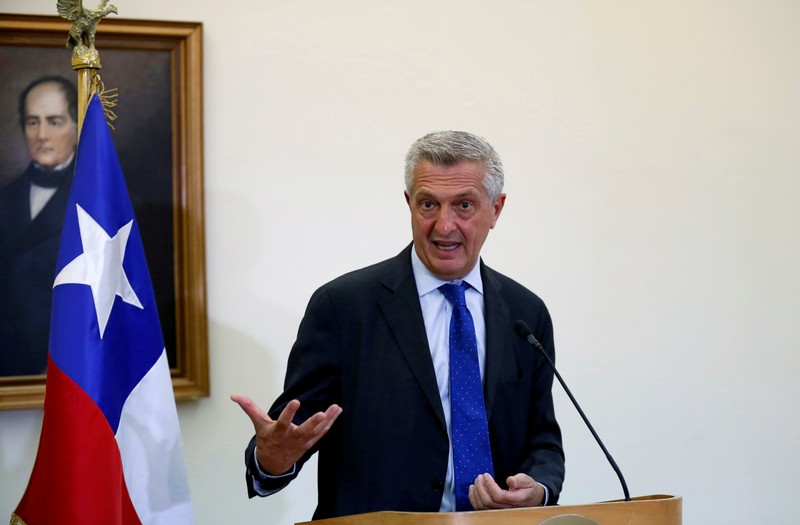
x=498, y=207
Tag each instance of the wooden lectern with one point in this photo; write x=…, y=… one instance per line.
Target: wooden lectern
x=644, y=510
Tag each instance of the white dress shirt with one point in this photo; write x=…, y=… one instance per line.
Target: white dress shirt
x=436, y=312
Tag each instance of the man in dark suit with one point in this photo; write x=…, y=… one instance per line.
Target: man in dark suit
x=31, y=213
x=368, y=383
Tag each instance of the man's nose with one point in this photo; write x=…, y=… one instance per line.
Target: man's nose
x=445, y=220
x=43, y=131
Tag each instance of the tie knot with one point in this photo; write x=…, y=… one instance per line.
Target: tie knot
x=454, y=293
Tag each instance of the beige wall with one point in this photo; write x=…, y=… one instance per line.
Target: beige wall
x=652, y=156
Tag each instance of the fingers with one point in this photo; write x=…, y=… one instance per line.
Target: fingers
x=519, y=481
x=282, y=431
x=317, y=425
x=281, y=443
x=485, y=493
x=522, y=491
x=286, y=443
x=284, y=421
x=328, y=418
x=253, y=411
x=313, y=428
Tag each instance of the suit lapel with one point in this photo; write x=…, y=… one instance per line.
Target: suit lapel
x=501, y=364
x=400, y=306
x=15, y=212
x=47, y=224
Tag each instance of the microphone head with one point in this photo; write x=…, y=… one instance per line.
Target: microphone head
x=522, y=329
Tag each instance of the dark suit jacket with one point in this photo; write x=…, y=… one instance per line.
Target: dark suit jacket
x=28, y=255
x=362, y=345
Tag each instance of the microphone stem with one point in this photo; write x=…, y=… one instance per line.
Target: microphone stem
x=586, y=420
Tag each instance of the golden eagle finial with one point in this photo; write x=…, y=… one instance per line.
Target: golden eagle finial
x=84, y=22
x=85, y=58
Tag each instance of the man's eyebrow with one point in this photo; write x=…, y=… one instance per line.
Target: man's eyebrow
x=466, y=194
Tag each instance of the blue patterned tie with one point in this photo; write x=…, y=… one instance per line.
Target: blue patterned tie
x=472, y=454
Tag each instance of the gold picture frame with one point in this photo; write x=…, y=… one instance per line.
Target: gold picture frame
x=157, y=67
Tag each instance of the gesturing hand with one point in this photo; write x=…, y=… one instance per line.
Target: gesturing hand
x=523, y=491
x=279, y=442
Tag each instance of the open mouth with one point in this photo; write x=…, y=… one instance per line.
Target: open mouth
x=446, y=246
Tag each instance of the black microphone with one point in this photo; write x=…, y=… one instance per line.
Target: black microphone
x=525, y=333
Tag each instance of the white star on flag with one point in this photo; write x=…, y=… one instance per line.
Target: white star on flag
x=100, y=267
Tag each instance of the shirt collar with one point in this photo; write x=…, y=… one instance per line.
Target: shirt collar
x=427, y=282
x=57, y=168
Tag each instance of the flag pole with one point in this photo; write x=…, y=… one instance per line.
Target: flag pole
x=87, y=67
x=85, y=58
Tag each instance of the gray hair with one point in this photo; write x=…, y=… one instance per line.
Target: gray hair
x=448, y=148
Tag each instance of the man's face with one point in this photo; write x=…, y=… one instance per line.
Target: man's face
x=50, y=133
x=451, y=216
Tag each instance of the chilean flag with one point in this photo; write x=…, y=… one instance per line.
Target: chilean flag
x=110, y=450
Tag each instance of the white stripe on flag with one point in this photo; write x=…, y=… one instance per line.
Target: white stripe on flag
x=150, y=444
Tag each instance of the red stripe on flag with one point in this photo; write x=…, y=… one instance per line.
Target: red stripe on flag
x=77, y=477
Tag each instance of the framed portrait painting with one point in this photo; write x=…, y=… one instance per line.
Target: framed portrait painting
x=156, y=69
